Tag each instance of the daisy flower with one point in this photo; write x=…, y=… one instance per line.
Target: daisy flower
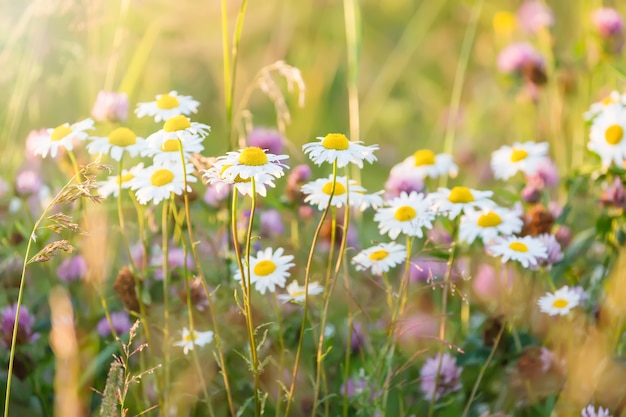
x=61, y=136
x=459, y=199
x=215, y=176
x=380, y=258
x=318, y=193
x=598, y=107
x=297, y=293
x=169, y=151
x=509, y=160
x=178, y=127
x=425, y=164
x=526, y=250
x=167, y=106
x=111, y=186
x=335, y=147
x=607, y=134
x=560, y=302
x=121, y=140
x=189, y=339
x=590, y=411
x=406, y=214
x=268, y=269
x=488, y=223
x=157, y=182
x=252, y=162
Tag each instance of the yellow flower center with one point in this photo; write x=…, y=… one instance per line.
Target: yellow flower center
x=238, y=179
x=404, y=213
x=504, y=23
x=170, y=145
x=264, y=268
x=424, y=157
x=328, y=187
x=176, y=123
x=166, y=102
x=614, y=134
x=378, y=255
x=125, y=178
x=190, y=337
x=60, y=132
x=460, y=195
x=518, y=154
x=161, y=177
x=336, y=141
x=607, y=100
x=122, y=136
x=253, y=156
x=560, y=303
x=518, y=247
x=297, y=294
x=489, y=219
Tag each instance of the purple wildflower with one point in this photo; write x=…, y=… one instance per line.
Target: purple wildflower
x=534, y=15
x=590, y=411
x=271, y=223
x=121, y=324
x=25, y=326
x=268, y=139
x=28, y=182
x=72, y=269
x=110, y=107
x=427, y=269
x=518, y=56
x=402, y=180
x=449, y=376
x=555, y=253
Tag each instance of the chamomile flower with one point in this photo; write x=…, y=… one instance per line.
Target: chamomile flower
x=425, y=164
x=167, y=106
x=195, y=338
x=268, y=269
x=178, y=127
x=215, y=176
x=526, y=157
x=590, y=411
x=336, y=147
x=560, y=302
x=297, y=293
x=452, y=202
x=169, y=151
x=61, y=136
x=407, y=214
x=607, y=135
x=318, y=193
x=380, y=258
x=598, y=107
x=252, y=162
x=121, y=140
x=157, y=182
x=111, y=186
x=488, y=223
x=526, y=250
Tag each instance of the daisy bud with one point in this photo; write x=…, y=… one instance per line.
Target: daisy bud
x=110, y=107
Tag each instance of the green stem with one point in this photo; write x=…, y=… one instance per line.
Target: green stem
x=166, y=299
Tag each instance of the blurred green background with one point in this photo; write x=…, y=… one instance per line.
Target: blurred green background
x=56, y=55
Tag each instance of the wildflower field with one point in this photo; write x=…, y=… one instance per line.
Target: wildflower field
x=313, y=208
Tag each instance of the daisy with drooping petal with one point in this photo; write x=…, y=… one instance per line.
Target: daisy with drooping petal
x=214, y=176
x=509, y=160
x=111, y=186
x=590, y=411
x=452, y=202
x=121, y=140
x=169, y=151
x=380, y=258
x=425, y=164
x=297, y=293
x=268, y=269
x=318, y=193
x=167, y=106
x=488, y=223
x=560, y=302
x=526, y=250
x=607, y=135
x=178, y=127
x=406, y=214
x=61, y=136
x=336, y=147
x=598, y=107
x=157, y=182
x=252, y=162
x=195, y=338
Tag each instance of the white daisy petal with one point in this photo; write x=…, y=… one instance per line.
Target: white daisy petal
x=158, y=182
x=526, y=157
x=526, y=250
x=424, y=163
x=61, y=137
x=167, y=106
x=607, y=135
x=195, y=338
x=380, y=258
x=560, y=302
x=489, y=223
x=121, y=140
x=297, y=293
x=407, y=214
x=335, y=147
x=268, y=269
x=111, y=185
x=452, y=202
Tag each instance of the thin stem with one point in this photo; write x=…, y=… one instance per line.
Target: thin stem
x=166, y=299
x=307, y=276
x=281, y=344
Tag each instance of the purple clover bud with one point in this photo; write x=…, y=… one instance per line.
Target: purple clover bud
x=534, y=15
x=269, y=139
x=402, y=180
x=110, y=107
x=271, y=223
x=28, y=183
x=121, y=324
x=610, y=27
x=25, y=326
x=72, y=269
x=448, y=380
